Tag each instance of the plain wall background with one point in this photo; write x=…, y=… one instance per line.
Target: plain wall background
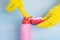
x=10, y=22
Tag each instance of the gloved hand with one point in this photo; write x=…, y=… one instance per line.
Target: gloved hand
x=16, y=4
x=52, y=18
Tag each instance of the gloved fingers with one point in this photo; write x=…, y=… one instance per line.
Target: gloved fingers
x=47, y=26
x=12, y=8
x=54, y=22
x=51, y=21
x=9, y=5
x=11, y=2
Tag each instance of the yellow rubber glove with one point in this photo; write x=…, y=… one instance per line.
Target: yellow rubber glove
x=52, y=18
x=16, y=4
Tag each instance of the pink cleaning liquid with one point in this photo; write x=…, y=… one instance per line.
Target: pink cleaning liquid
x=25, y=32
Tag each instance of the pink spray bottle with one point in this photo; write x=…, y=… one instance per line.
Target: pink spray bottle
x=26, y=29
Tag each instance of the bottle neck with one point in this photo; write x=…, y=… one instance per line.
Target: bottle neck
x=26, y=21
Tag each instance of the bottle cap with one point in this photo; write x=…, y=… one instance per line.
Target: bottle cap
x=26, y=21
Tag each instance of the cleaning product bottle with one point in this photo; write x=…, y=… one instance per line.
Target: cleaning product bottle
x=26, y=29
